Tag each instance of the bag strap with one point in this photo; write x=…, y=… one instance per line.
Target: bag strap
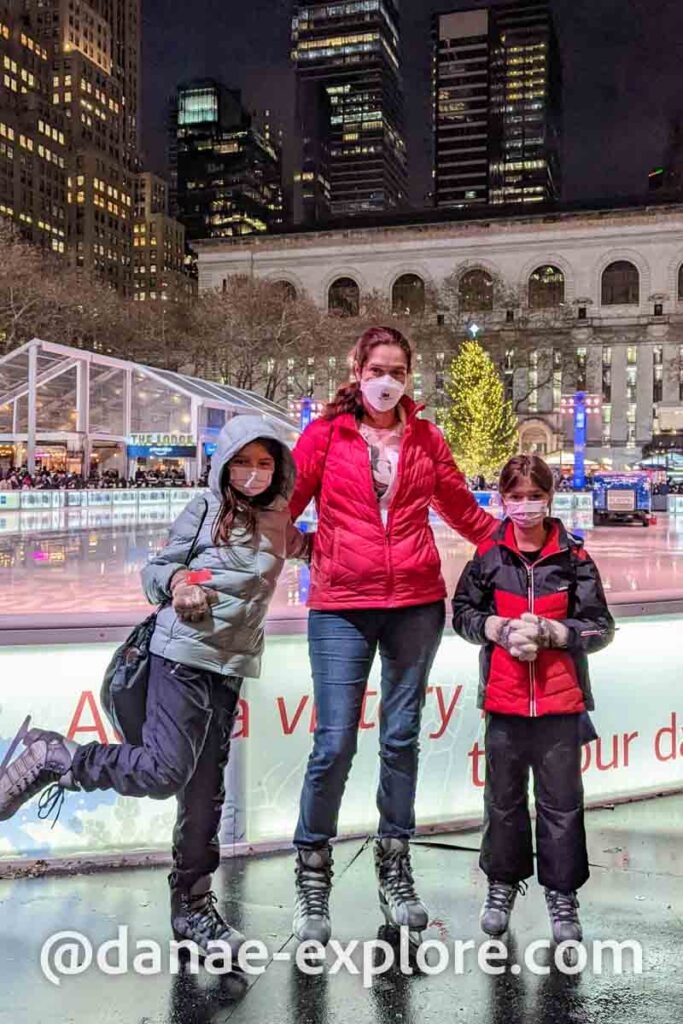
x=193, y=546
x=190, y=554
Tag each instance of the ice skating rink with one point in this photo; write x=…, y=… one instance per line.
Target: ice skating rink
x=65, y=572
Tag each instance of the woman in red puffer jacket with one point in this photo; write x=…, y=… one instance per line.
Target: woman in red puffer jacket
x=375, y=469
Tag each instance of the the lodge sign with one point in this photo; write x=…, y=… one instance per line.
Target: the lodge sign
x=162, y=440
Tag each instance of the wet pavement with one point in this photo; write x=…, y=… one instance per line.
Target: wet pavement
x=74, y=574
x=635, y=893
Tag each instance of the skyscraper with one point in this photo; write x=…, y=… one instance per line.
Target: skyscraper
x=497, y=105
x=158, y=243
x=350, y=106
x=93, y=55
x=226, y=176
x=33, y=135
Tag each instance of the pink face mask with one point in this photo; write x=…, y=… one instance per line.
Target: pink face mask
x=250, y=481
x=526, y=513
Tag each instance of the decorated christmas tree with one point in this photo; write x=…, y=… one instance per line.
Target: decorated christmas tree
x=479, y=424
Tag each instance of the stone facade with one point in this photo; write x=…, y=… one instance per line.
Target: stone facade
x=630, y=353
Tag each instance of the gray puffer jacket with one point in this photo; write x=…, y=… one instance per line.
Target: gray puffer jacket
x=229, y=639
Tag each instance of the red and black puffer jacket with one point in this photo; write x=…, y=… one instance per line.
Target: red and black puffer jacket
x=563, y=584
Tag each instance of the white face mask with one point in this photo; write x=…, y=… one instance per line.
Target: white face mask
x=250, y=481
x=383, y=393
x=526, y=513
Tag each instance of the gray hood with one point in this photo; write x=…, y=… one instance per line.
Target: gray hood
x=240, y=431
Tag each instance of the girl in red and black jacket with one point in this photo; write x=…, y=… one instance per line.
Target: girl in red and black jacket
x=534, y=600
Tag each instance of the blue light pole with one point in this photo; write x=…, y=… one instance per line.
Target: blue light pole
x=579, y=440
x=305, y=412
x=580, y=404
x=307, y=409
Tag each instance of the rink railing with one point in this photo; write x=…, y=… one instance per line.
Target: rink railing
x=134, y=497
x=124, y=497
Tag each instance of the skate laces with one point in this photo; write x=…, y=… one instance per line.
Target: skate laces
x=51, y=798
x=202, y=913
x=562, y=905
x=501, y=894
x=313, y=888
x=397, y=874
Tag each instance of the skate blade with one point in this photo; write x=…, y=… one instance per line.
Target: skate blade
x=186, y=955
x=495, y=935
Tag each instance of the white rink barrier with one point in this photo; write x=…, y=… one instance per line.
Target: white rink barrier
x=133, y=497
x=637, y=683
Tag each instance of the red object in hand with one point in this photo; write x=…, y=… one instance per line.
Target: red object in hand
x=198, y=576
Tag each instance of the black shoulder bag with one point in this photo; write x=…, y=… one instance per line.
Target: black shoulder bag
x=123, y=694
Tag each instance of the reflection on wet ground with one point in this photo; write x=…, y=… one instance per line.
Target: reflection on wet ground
x=96, y=569
x=635, y=893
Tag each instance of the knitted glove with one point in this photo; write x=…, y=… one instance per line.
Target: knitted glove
x=549, y=632
x=515, y=636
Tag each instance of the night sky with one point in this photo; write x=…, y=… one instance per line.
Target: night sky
x=622, y=66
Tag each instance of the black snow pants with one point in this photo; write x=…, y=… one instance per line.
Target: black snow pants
x=549, y=746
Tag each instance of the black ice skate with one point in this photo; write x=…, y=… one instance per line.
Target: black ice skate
x=563, y=909
x=195, y=919
x=313, y=886
x=495, y=913
x=398, y=900
x=46, y=760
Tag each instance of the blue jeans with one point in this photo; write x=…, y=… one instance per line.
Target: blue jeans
x=342, y=647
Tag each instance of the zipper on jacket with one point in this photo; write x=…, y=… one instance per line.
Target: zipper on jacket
x=532, y=664
x=399, y=473
x=386, y=527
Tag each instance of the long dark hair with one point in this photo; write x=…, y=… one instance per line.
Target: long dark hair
x=237, y=507
x=348, y=397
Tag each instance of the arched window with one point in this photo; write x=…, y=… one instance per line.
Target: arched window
x=476, y=291
x=344, y=297
x=546, y=288
x=680, y=283
x=534, y=441
x=287, y=289
x=620, y=284
x=408, y=295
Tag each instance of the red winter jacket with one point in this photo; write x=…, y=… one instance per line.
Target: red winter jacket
x=563, y=584
x=357, y=563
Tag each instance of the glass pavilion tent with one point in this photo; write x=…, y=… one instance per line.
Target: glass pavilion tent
x=82, y=409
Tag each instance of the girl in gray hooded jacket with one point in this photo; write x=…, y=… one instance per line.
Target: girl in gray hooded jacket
x=214, y=580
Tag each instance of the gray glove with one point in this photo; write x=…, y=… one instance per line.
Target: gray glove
x=523, y=638
x=515, y=636
x=550, y=633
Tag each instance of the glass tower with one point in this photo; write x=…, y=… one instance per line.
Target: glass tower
x=350, y=108
x=497, y=106
x=226, y=176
